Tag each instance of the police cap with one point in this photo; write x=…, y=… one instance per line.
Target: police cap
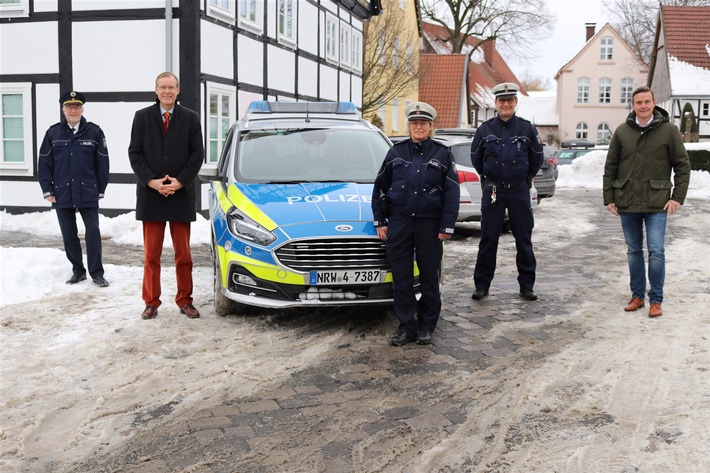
x=420, y=111
x=72, y=98
x=506, y=89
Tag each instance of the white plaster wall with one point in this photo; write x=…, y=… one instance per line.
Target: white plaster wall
x=328, y=83
x=116, y=4
x=47, y=109
x=217, y=49
x=307, y=71
x=121, y=55
x=45, y=5
x=249, y=61
x=281, y=69
x=22, y=52
x=116, y=120
x=307, y=27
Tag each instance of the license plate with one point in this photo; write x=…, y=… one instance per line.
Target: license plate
x=350, y=276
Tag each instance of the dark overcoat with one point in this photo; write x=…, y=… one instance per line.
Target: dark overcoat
x=74, y=167
x=179, y=154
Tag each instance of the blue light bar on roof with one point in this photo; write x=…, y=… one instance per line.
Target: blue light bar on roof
x=263, y=106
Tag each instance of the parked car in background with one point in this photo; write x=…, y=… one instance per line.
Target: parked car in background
x=572, y=149
x=459, y=142
x=547, y=175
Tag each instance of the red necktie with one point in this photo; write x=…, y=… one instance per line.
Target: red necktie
x=166, y=122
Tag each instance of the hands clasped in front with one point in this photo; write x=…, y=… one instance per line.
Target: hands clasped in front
x=166, y=186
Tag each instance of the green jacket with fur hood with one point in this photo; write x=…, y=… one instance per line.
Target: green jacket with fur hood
x=637, y=173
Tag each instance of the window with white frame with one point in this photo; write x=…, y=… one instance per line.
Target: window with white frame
x=409, y=57
x=331, y=38
x=603, y=134
x=583, y=89
x=357, y=51
x=14, y=8
x=222, y=9
x=582, y=131
x=250, y=14
x=627, y=89
x=16, y=127
x=381, y=52
x=221, y=113
x=606, y=51
x=706, y=109
x=346, y=54
x=395, y=114
x=287, y=20
x=605, y=90
x=381, y=113
x=395, y=53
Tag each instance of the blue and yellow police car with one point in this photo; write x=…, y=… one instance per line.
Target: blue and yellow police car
x=290, y=210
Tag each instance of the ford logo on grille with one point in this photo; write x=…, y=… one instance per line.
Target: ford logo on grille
x=344, y=228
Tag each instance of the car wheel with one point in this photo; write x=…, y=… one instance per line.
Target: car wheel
x=222, y=305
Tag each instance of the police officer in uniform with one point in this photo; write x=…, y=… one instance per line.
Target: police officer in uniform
x=507, y=153
x=415, y=203
x=73, y=171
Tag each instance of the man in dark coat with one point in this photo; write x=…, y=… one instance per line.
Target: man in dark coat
x=73, y=172
x=507, y=153
x=166, y=152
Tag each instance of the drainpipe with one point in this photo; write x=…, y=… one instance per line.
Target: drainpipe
x=467, y=93
x=169, y=35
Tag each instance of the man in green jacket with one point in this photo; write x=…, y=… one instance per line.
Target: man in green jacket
x=638, y=189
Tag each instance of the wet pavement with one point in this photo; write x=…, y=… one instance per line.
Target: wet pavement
x=367, y=406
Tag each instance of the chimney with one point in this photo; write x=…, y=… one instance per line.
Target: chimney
x=489, y=48
x=590, y=30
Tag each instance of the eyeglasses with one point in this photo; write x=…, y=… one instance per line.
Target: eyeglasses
x=166, y=87
x=73, y=107
x=419, y=123
x=505, y=99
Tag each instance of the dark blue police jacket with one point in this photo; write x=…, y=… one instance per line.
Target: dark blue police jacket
x=507, y=152
x=421, y=182
x=74, y=167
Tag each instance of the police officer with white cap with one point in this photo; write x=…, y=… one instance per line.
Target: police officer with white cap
x=415, y=203
x=73, y=171
x=507, y=153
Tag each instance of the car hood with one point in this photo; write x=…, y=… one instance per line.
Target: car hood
x=311, y=202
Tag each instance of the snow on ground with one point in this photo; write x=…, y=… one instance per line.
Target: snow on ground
x=68, y=382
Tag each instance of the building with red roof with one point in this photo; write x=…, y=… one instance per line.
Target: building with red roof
x=680, y=68
x=460, y=90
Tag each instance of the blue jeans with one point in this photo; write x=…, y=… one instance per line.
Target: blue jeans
x=632, y=224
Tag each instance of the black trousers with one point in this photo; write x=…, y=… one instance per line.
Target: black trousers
x=408, y=238
x=72, y=245
x=517, y=202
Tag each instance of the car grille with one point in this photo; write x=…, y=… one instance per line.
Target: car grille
x=305, y=255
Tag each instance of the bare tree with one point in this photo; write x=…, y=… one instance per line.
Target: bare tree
x=389, y=69
x=517, y=24
x=532, y=82
x=636, y=20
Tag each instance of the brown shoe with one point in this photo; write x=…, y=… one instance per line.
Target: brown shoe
x=190, y=311
x=149, y=313
x=655, y=310
x=634, y=304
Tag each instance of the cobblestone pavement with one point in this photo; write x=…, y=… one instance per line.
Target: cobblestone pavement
x=370, y=407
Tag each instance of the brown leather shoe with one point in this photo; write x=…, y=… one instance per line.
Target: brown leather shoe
x=634, y=304
x=149, y=313
x=655, y=310
x=190, y=311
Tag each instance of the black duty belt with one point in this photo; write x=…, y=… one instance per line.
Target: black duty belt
x=505, y=185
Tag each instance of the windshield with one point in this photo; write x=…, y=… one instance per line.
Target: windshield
x=310, y=155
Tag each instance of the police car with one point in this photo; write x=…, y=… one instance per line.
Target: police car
x=290, y=209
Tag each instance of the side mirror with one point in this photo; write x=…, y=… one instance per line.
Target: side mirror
x=208, y=172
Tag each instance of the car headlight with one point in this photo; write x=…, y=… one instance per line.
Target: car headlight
x=244, y=227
